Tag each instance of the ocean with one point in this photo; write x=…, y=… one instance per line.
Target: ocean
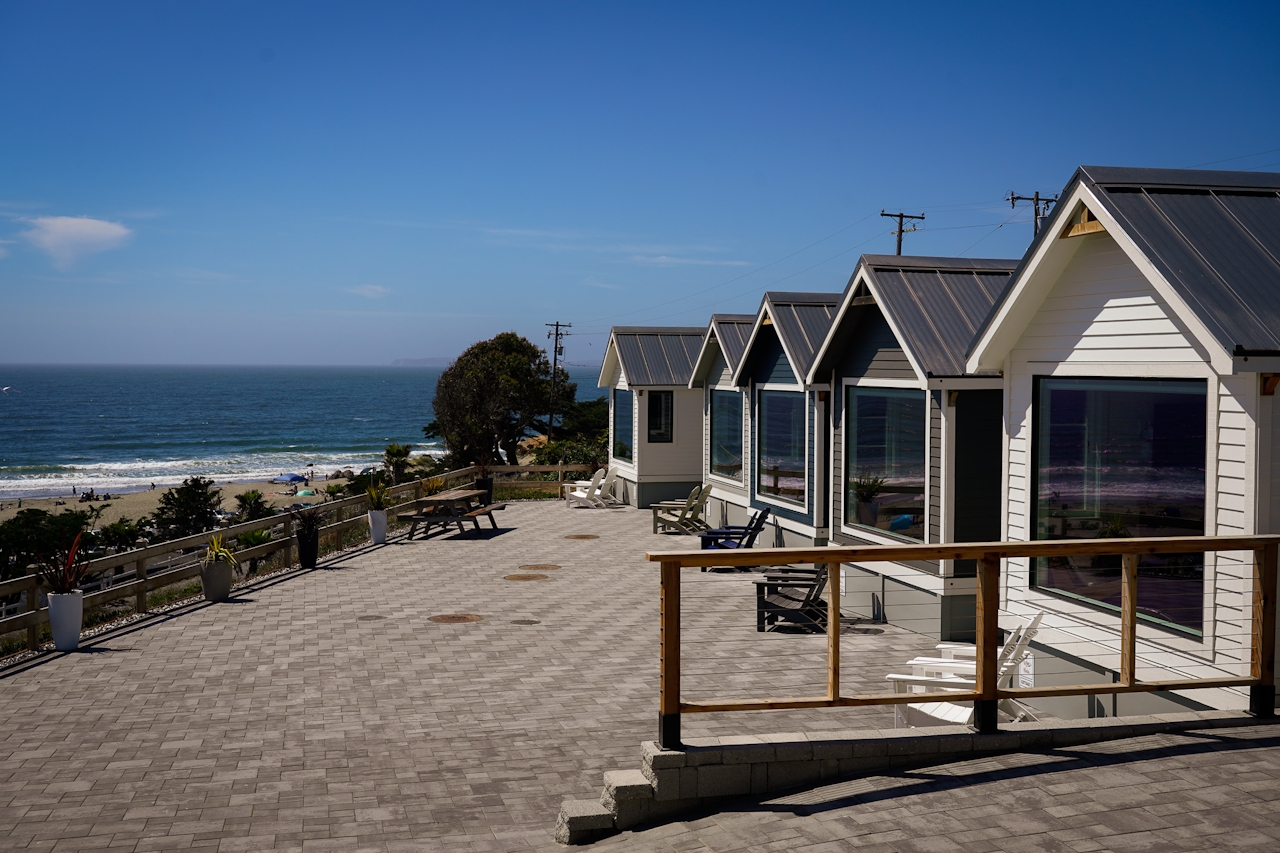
x=122, y=428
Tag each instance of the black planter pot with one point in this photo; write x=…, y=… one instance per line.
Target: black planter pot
x=308, y=549
x=486, y=483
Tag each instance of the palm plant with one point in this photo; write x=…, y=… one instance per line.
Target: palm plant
x=252, y=539
x=251, y=506
x=396, y=460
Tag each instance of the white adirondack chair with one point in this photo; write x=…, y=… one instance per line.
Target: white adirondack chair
x=606, y=488
x=588, y=497
x=958, y=672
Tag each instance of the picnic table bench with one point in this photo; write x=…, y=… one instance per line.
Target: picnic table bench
x=451, y=507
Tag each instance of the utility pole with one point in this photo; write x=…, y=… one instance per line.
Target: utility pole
x=557, y=350
x=1041, y=205
x=901, y=230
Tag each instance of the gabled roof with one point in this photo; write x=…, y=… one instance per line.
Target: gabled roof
x=801, y=321
x=1213, y=237
x=726, y=334
x=933, y=305
x=652, y=355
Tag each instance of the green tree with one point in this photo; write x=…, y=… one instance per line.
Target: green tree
x=122, y=534
x=251, y=506
x=396, y=460
x=189, y=508
x=492, y=396
x=33, y=533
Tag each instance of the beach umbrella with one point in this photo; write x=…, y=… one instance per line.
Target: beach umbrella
x=289, y=478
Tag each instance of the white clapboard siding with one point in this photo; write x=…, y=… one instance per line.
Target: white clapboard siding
x=1103, y=315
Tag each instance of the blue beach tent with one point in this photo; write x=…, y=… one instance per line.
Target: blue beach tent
x=289, y=478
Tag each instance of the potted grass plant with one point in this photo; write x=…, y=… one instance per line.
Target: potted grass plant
x=62, y=572
x=306, y=526
x=379, y=500
x=216, y=570
x=866, y=488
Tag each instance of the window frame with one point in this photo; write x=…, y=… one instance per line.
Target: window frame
x=670, y=396
x=875, y=534
x=741, y=429
x=756, y=419
x=1207, y=631
x=613, y=426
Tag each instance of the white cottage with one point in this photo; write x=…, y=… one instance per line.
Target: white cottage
x=915, y=441
x=655, y=420
x=726, y=421
x=1139, y=344
x=786, y=448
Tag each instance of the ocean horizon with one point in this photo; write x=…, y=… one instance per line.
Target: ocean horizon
x=121, y=428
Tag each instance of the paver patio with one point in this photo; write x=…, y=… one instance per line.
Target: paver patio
x=323, y=711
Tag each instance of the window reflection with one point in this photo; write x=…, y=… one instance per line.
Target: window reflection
x=780, y=462
x=726, y=433
x=885, y=459
x=1119, y=458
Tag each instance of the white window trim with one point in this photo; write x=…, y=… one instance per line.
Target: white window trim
x=756, y=494
x=711, y=475
x=865, y=382
x=635, y=449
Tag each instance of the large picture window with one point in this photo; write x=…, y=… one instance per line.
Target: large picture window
x=780, y=457
x=726, y=433
x=1118, y=458
x=623, y=418
x=885, y=459
x=661, y=417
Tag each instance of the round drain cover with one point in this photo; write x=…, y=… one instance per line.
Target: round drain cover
x=372, y=618
x=581, y=536
x=454, y=618
x=527, y=577
x=525, y=622
x=539, y=567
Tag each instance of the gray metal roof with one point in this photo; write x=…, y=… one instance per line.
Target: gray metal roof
x=1214, y=236
x=657, y=355
x=936, y=304
x=732, y=332
x=801, y=321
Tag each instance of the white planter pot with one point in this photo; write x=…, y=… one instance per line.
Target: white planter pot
x=378, y=526
x=215, y=580
x=66, y=615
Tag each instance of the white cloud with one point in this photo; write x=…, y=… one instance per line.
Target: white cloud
x=66, y=238
x=668, y=261
x=370, y=291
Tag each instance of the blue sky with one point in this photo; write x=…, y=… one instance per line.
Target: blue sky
x=350, y=183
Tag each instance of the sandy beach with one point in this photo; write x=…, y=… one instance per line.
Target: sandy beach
x=135, y=504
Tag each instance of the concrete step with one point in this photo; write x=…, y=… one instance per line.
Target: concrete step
x=583, y=821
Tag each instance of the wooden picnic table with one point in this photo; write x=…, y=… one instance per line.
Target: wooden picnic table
x=451, y=507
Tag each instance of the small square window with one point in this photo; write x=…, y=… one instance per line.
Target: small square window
x=660, y=417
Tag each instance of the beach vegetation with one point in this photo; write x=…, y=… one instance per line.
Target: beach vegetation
x=332, y=491
x=496, y=393
x=252, y=505
x=122, y=534
x=35, y=532
x=578, y=450
x=188, y=509
x=395, y=459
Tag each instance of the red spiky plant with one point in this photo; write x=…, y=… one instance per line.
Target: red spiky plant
x=64, y=569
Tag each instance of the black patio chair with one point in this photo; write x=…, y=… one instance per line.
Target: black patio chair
x=736, y=535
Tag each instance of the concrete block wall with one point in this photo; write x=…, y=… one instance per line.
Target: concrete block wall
x=709, y=771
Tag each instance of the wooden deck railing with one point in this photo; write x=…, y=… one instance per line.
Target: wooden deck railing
x=148, y=576
x=987, y=692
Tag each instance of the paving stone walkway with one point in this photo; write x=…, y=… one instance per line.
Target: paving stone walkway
x=325, y=711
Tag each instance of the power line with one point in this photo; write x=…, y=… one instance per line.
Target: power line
x=900, y=230
x=989, y=233
x=1241, y=157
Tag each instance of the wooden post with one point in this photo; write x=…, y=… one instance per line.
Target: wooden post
x=669, y=662
x=1128, y=618
x=33, y=604
x=833, y=631
x=140, y=598
x=288, y=537
x=1262, y=696
x=988, y=612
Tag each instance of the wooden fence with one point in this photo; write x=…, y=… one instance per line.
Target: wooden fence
x=147, y=576
x=987, y=692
